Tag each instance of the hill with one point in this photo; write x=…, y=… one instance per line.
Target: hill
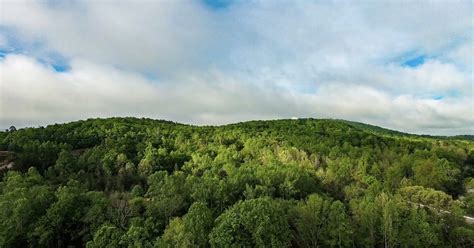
x=123, y=182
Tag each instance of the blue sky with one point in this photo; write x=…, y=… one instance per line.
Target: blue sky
x=402, y=66
x=414, y=62
x=217, y=4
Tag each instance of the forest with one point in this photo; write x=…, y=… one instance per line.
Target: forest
x=130, y=182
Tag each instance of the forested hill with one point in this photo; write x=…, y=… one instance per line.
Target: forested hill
x=385, y=131
x=127, y=182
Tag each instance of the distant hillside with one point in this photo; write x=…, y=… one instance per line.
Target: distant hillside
x=464, y=137
x=386, y=131
x=376, y=129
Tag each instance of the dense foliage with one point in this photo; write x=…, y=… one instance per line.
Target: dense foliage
x=126, y=182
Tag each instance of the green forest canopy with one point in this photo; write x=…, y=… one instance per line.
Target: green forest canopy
x=128, y=182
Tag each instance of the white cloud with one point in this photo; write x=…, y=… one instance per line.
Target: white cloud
x=446, y=116
x=35, y=94
x=139, y=35
x=436, y=76
x=431, y=78
x=462, y=56
x=253, y=60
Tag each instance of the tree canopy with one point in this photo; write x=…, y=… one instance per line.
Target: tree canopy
x=128, y=182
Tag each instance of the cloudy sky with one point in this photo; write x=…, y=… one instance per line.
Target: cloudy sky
x=405, y=65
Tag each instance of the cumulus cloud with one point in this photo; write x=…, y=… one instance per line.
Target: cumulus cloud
x=139, y=35
x=188, y=62
x=36, y=94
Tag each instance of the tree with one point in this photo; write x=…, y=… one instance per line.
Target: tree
x=65, y=165
x=119, y=211
x=366, y=216
x=136, y=236
x=63, y=225
x=417, y=231
x=192, y=230
x=253, y=223
x=320, y=222
x=175, y=235
x=108, y=236
x=436, y=173
x=24, y=199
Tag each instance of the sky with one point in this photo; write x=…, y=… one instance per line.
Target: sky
x=404, y=65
